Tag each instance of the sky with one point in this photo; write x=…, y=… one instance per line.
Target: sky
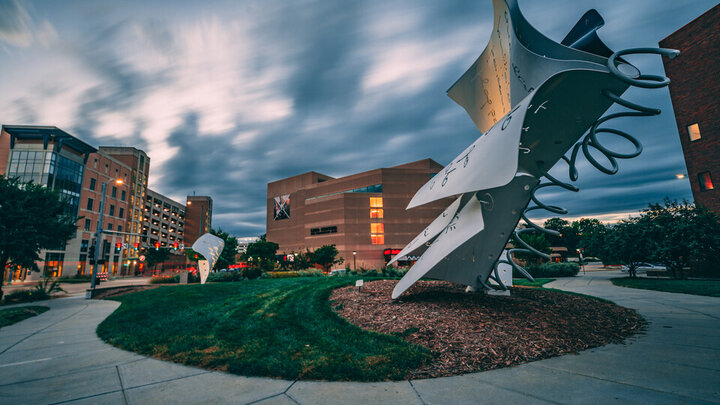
x=226, y=96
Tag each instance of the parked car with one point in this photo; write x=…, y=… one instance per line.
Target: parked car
x=644, y=267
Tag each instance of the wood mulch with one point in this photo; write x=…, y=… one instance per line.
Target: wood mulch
x=474, y=332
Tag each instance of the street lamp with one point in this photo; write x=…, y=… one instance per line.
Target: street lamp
x=354, y=262
x=98, y=232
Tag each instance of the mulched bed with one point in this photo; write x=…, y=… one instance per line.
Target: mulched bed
x=474, y=332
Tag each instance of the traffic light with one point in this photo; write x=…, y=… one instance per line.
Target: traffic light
x=118, y=246
x=157, y=245
x=175, y=246
x=91, y=252
x=137, y=245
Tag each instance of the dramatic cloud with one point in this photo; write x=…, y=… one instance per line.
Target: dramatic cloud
x=226, y=97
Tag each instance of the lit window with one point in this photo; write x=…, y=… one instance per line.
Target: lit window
x=694, y=132
x=705, y=181
x=377, y=227
x=376, y=213
x=376, y=202
x=377, y=239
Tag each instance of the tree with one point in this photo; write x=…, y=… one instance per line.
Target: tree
x=154, y=256
x=227, y=256
x=32, y=218
x=326, y=256
x=627, y=243
x=568, y=234
x=682, y=235
x=262, y=249
x=591, y=236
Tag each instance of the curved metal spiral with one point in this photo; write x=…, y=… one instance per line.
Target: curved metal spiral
x=589, y=140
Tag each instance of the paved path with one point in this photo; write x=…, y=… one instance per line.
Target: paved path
x=57, y=358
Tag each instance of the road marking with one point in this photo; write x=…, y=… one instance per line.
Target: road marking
x=24, y=362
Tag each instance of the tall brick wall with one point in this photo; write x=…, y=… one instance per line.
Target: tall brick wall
x=695, y=94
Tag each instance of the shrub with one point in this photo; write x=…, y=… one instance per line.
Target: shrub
x=43, y=291
x=251, y=273
x=225, y=277
x=551, y=270
x=166, y=279
x=29, y=295
x=292, y=274
x=366, y=273
x=398, y=272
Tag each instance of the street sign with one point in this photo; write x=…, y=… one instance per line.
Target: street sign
x=142, y=258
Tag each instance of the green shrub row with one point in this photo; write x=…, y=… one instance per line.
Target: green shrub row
x=42, y=291
x=293, y=274
x=550, y=270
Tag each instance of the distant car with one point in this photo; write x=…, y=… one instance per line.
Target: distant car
x=644, y=267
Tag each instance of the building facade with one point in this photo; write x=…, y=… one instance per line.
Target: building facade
x=198, y=217
x=134, y=217
x=695, y=94
x=163, y=221
x=363, y=214
x=51, y=157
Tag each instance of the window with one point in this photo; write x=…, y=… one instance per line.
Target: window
x=87, y=224
x=376, y=213
x=121, y=211
x=92, y=183
x=112, y=210
x=95, y=164
x=694, y=132
x=376, y=202
x=90, y=204
x=377, y=239
x=119, y=229
x=109, y=227
x=114, y=192
x=705, y=181
x=321, y=231
x=377, y=227
x=106, y=168
x=122, y=195
x=84, y=245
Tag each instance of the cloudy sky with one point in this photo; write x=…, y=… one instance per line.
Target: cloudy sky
x=226, y=96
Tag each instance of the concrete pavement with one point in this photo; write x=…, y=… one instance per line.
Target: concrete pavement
x=57, y=358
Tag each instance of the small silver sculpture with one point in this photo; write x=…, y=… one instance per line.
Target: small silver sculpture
x=533, y=99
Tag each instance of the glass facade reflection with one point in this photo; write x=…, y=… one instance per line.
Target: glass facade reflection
x=48, y=169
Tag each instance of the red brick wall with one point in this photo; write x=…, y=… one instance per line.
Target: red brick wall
x=695, y=94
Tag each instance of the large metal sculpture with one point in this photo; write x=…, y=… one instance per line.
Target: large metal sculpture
x=210, y=246
x=533, y=99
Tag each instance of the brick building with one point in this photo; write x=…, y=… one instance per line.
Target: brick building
x=363, y=213
x=198, y=217
x=695, y=94
x=132, y=212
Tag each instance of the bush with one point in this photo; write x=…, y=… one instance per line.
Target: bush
x=42, y=291
x=225, y=277
x=30, y=295
x=550, y=270
x=251, y=273
x=366, y=273
x=166, y=279
x=398, y=272
x=292, y=274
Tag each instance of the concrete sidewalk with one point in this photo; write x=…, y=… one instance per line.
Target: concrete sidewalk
x=57, y=358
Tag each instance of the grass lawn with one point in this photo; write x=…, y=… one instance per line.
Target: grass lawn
x=539, y=282
x=276, y=328
x=14, y=315
x=709, y=288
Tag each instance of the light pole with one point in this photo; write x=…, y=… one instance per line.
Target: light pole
x=354, y=262
x=98, y=232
